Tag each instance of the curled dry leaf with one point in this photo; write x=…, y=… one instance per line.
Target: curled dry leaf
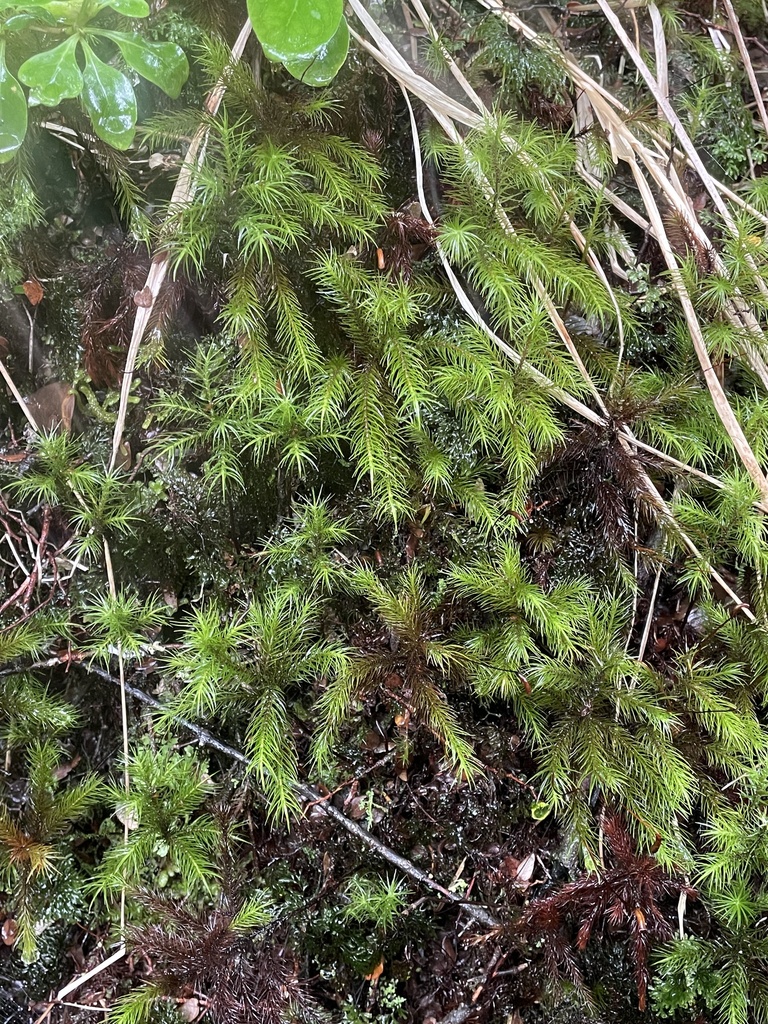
x=53, y=406
x=63, y=770
x=190, y=1009
x=34, y=291
x=525, y=869
x=127, y=816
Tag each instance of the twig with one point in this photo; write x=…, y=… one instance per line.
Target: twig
x=649, y=617
x=309, y=794
x=34, y=667
x=81, y=980
x=17, y=395
x=185, y=185
x=124, y=725
x=745, y=59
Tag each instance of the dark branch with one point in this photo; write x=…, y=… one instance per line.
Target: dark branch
x=310, y=795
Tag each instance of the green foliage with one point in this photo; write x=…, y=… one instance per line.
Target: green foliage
x=378, y=902
x=513, y=165
x=33, y=840
x=100, y=503
x=325, y=63
x=310, y=37
x=139, y=1006
x=28, y=711
x=169, y=834
x=20, y=211
x=33, y=637
x=72, y=68
x=248, y=664
x=725, y=975
x=13, y=126
x=718, y=122
x=307, y=553
x=608, y=730
x=684, y=975
x=384, y=548
x=414, y=667
x=525, y=616
x=122, y=624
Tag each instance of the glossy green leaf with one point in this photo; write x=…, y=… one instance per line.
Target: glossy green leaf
x=163, y=64
x=21, y=19
x=53, y=75
x=109, y=98
x=13, y=112
x=324, y=65
x=130, y=8
x=18, y=5
x=294, y=29
x=68, y=11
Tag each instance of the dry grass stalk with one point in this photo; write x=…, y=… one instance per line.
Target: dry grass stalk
x=182, y=193
x=676, y=124
x=745, y=59
x=652, y=492
x=622, y=142
x=626, y=147
x=389, y=57
x=17, y=395
x=719, y=398
x=506, y=224
x=660, y=51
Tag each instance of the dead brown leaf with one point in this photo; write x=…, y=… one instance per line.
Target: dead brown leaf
x=34, y=291
x=376, y=973
x=63, y=770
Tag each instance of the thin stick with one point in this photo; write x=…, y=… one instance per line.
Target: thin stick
x=649, y=617
x=124, y=724
x=17, y=395
x=81, y=980
x=745, y=59
x=311, y=796
x=185, y=186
